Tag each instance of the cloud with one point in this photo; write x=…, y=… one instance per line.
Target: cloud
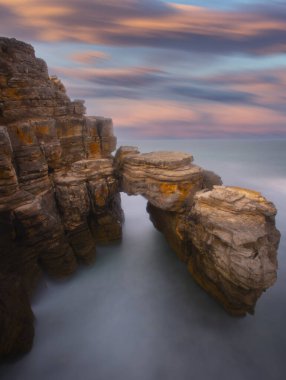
x=259, y=30
x=109, y=93
x=128, y=77
x=155, y=118
x=213, y=94
x=89, y=57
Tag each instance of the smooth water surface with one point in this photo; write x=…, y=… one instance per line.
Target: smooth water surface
x=137, y=314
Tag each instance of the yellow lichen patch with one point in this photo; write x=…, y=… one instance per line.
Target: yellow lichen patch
x=168, y=188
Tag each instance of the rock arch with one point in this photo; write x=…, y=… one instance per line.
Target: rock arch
x=60, y=195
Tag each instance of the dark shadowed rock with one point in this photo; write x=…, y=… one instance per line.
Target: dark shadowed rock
x=16, y=317
x=59, y=195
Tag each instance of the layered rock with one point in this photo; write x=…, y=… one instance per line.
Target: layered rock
x=167, y=179
x=225, y=235
x=59, y=195
x=234, y=244
x=229, y=242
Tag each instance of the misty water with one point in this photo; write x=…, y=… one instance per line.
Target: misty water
x=137, y=313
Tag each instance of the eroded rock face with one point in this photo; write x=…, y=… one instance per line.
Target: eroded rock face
x=225, y=235
x=229, y=241
x=168, y=180
x=59, y=195
x=234, y=245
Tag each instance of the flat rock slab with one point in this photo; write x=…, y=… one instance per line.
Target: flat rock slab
x=162, y=159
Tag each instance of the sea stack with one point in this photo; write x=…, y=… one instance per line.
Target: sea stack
x=60, y=196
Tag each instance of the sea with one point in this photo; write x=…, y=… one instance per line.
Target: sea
x=137, y=314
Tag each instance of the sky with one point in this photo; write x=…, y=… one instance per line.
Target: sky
x=164, y=69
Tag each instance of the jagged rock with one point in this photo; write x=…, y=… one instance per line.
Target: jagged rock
x=57, y=182
x=234, y=241
x=210, y=179
x=229, y=241
x=168, y=180
x=59, y=195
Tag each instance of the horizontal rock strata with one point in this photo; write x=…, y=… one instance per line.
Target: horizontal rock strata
x=225, y=235
x=167, y=179
x=59, y=195
x=229, y=242
x=234, y=244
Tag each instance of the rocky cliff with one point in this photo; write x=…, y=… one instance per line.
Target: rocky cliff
x=225, y=235
x=58, y=190
x=60, y=196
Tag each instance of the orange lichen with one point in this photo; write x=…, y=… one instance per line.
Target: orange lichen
x=24, y=136
x=13, y=93
x=168, y=188
x=94, y=149
x=43, y=129
x=183, y=189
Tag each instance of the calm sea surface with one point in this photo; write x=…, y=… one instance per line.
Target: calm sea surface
x=137, y=314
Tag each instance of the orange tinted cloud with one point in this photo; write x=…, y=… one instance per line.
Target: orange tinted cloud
x=88, y=57
x=155, y=118
x=153, y=23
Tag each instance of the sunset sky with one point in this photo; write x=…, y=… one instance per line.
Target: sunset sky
x=164, y=69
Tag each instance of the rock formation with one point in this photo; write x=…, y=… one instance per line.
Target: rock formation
x=167, y=179
x=58, y=192
x=225, y=235
x=60, y=196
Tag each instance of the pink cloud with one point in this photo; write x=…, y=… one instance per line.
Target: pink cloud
x=152, y=23
x=90, y=57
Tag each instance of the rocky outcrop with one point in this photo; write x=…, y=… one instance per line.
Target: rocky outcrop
x=225, y=235
x=229, y=242
x=233, y=245
x=59, y=195
x=168, y=180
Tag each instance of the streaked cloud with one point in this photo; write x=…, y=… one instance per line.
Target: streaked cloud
x=89, y=57
x=124, y=77
x=165, y=68
x=155, y=24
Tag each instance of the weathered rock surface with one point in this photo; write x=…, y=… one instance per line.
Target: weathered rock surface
x=168, y=180
x=234, y=245
x=59, y=197
x=227, y=236
x=229, y=241
x=58, y=192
